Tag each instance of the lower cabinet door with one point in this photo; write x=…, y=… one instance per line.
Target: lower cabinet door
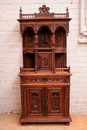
x=55, y=100
x=44, y=101
x=33, y=101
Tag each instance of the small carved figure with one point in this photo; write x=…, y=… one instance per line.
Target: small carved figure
x=53, y=40
x=45, y=62
x=36, y=40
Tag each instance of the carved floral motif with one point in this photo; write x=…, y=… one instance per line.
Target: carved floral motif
x=44, y=10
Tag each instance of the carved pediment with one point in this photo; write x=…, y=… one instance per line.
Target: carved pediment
x=44, y=10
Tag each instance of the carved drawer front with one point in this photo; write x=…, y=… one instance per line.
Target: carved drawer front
x=45, y=79
x=34, y=100
x=55, y=101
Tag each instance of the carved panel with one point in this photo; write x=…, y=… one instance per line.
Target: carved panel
x=60, y=38
x=45, y=79
x=34, y=100
x=44, y=37
x=28, y=38
x=44, y=61
x=55, y=100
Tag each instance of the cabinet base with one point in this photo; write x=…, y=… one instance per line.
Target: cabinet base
x=34, y=120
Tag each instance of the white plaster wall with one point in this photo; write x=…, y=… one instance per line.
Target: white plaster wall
x=11, y=53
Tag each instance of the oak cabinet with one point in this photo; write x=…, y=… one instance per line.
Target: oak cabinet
x=44, y=77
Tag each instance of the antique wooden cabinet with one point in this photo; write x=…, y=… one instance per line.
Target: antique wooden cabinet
x=44, y=77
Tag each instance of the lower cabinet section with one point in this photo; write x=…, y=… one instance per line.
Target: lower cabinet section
x=45, y=104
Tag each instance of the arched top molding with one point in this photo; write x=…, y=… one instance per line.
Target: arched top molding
x=28, y=28
x=44, y=26
x=24, y=28
x=60, y=27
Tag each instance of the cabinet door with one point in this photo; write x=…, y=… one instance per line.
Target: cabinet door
x=55, y=100
x=34, y=100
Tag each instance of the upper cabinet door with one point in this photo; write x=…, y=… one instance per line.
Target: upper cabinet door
x=60, y=37
x=28, y=38
x=44, y=61
x=44, y=36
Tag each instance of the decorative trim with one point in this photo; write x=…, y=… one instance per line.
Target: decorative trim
x=22, y=101
x=67, y=101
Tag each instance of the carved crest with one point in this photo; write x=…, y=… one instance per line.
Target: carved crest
x=44, y=10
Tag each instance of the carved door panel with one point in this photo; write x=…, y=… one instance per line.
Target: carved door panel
x=45, y=61
x=28, y=38
x=44, y=36
x=34, y=100
x=55, y=100
x=60, y=37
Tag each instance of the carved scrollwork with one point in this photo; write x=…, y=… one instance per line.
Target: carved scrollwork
x=44, y=10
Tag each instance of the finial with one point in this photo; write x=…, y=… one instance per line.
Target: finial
x=20, y=10
x=67, y=9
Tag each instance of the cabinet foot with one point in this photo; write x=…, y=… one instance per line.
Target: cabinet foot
x=23, y=123
x=67, y=123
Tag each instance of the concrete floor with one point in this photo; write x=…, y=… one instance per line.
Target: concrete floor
x=11, y=122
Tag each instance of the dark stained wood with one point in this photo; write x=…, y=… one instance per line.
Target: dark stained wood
x=44, y=77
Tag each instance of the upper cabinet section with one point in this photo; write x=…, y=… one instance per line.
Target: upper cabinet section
x=36, y=22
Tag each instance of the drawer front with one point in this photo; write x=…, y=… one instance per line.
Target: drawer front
x=44, y=79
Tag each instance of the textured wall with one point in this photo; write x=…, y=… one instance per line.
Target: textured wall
x=11, y=53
